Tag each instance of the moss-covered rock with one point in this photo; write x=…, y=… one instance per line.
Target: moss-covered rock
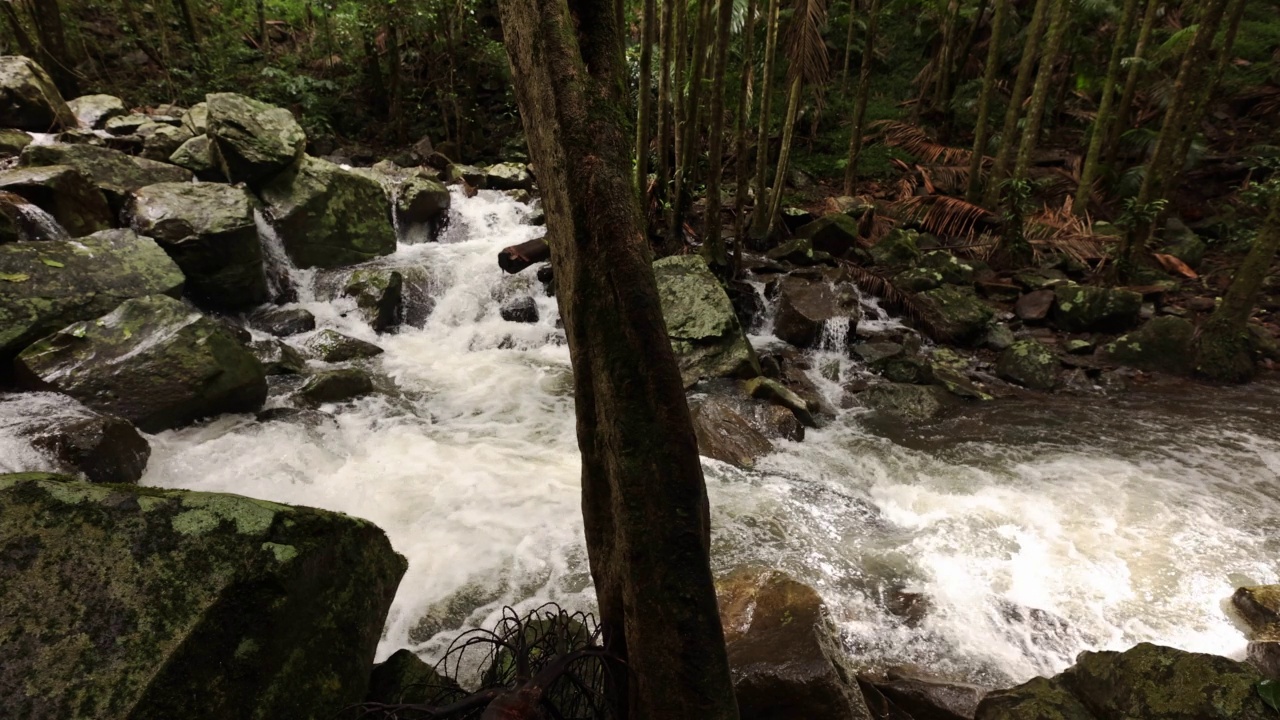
x=404, y=678
x=329, y=217
x=12, y=142
x=917, y=280
x=770, y=390
x=28, y=98
x=115, y=173
x=196, y=119
x=422, y=202
x=332, y=386
x=1162, y=345
x=1182, y=242
x=1037, y=699
x=508, y=176
x=63, y=192
x=252, y=140
x=152, y=361
x=809, y=309
x=951, y=269
x=48, y=285
x=209, y=230
x=705, y=333
x=146, y=603
x=798, y=251
x=93, y=111
x=159, y=141
x=470, y=174
x=897, y=249
x=1259, y=605
x=333, y=346
x=1030, y=364
x=835, y=234
x=1086, y=308
x=278, y=357
x=954, y=315
x=378, y=296
x=905, y=402
x=74, y=439
x=283, y=322
x=196, y=155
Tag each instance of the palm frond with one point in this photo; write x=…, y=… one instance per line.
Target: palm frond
x=943, y=215
x=891, y=297
x=1059, y=229
x=919, y=143
x=806, y=50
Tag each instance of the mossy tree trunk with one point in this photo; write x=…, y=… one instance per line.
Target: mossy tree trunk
x=664, y=97
x=644, y=499
x=1136, y=66
x=742, y=171
x=688, y=154
x=54, y=55
x=784, y=153
x=1040, y=94
x=1235, y=14
x=713, y=241
x=646, y=94
x=1020, y=86
x=848, y=47
x=1224, y=350
x=982, y=131
x=860, y=105
x=1102, y=124
x=759, y=217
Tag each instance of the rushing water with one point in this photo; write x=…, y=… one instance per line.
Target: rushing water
x=994, y=546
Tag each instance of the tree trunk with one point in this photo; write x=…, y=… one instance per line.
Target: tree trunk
x=759, y=216
x=971, y=39
x=1020, y=86
x=860, y=105
x=1102, y=124
x=713, y=241
x=25, y=44
x=644, y=500
x=1224, y=351
x=848, y=48
x=664, y=97
x=54, y=55
x=395, y=111
x=689, y=139
x=1125, y=105
x=1040, y=95
x=982, y=132
x=264, y=40
x=190, y=32
x=784, y=153
x=742, y=171
x=950, y=37
x=373, y=72
x=646, y=95
x=1205, y=94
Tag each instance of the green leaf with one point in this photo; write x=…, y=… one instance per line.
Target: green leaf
x=80, y=331
x=1270, y=692
x=15, y=277
x=52, y=263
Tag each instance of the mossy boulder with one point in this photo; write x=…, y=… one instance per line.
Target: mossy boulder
x=1259, y=605
x=209, y=230
x=798, y=251
x=918, y=280
x=93, y=111
x=508, y=176
x=955, y=315
x=115, y=173
x=333, y=386
x=836, y=234
x=1182, y=242
x=810, y=309
x=146, y=603
x=470, y=174
x=48, y=285
x=770, y=390
x=196, y=155
x=705, y=333
x=1087, y=308
x=283, y=322
x=905, y=402
x=329, y=217
x=278, y=357
x=1030, y=364
x=897, y=249
x=1037, y=699
x=73, y=439
x=196, y=119
x=950, y=269
x=378, y=296
x=404, y=678
x=12, y=142
x=153, y=361
x=422, y=201
x=1164, y=344
x=159, y=141
x=28, y=98
x=333, y=346
x=63, y=192
x=252, y=140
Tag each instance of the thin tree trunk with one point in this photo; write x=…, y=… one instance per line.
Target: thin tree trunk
x=982, y=131
x=784, y=153
x=742, y=172
x=1205, y=94
x=1040, y=94
x=860, y=105
x=848, y=48
x=677, y=96
x=760, y=218
x=25, y=43
x=1125, y=106
x=373, y=73
x=950, y=31
x=53, y=53
x=971, y=39
x=1102, y=125
x=689, y=141
x=1020, y=86
x=190, y=32
x=264, y=40
x=713, y=242
x=646, y=95
x=1224, y=349
x=644, y=499
x=664, y=97
x=395, y=111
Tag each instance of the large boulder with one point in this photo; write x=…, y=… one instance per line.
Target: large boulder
x=48, y=285
x=378, y=293
x=93, y=111
x=148, y=603
x=1029, y=363
x=73, y=439
x=252, y=140
x=1037, y=699
x=12, y=142
x=897, y=249
x=705, y=333
x=1163, y=345
x=196, y=119
x=784, y=654
x=404, y=678
x=905, y=402
x=954, y=315
x=809, y=309
x=724, y=434
x=209, y=230
x=153, y=361
x=160, y=141
x=421, y=202
x=1086, y=308
x=508, y=176
x=28, y=98
x=60, y=190
x=329, y=217
x=333, y=346
x=196, y=155
x=115, y=173
x=836, y=234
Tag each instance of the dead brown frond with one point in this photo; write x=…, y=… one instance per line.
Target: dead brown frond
x=874, y=225
x=891, y=297
x=1059, y=229
x=806, y=50
x=943, y=215
x=919, y=143
x=949, y=179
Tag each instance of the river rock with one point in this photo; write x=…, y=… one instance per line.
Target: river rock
x=115, y=173
x=48, y=285
x=278, y=357
x=771, y=390
x=705, y=333
x=60, y=190
x=333, y=386
x=422, y=201
x=784, y=653
x=508, y=176
x=252, y=140
x=404, y=678
x=1163, y=345
x=1086, y=308
x=835, y=234
x=160, y=141
x=1037, y=699
x=897, y=249
x=522, y=310
x=209, y=230
x=93, y=111
x=152, y=361
x=12, y=142
x=798, y=251
x=127, y=124
x=329, y=217
x=954, y=315
x=723, y=434
x=901, y=401
x=917, y=280
x=333, y=346
x=283, y=322
x=252, y=608
x=950, y=269
x=28, y=98
x=74, y=439
x=805, y=307
x=470, y=174
x=929, y=698
x=378, y=296
x=1034, y=305
x=1259, y=605
x=196, y=119
x=1182, y=242
x=1030, y=364
x=196, y=155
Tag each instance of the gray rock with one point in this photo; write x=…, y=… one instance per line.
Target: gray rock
x=521, y=310
x=196, y=155
x=1082, y=308
x=76, y=440
x=12, y=142
x=705, y=333
x=93, y=111
x=278, y=357
x=378, y=294
x=333, y=346
x=28, y=98
x=508, y=176
x=1030, y=364
x=60, y=190
x=283, y=322
x=806, y=307
x=253, y=141
x=954, y=315
x=1163, y=344
x=333, y=386
x=901, y=401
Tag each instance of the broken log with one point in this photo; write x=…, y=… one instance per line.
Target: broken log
x=515, y=258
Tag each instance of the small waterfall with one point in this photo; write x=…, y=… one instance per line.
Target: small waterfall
x=32, y=220
x=285, y=281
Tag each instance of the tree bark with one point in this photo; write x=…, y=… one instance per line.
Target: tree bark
x=689, y=139
x=713, y=242
x=848, y=48
x=190, y=32
x=1102, y=124
x=759, y=215
x=644, y=500
x=784, y=153
x=1011, y=114
x=514, y=258
x=1040, y=95
x=1131, y=83
x=54, y=55
x=664, y=97
x=860, y=105
x=742, y=166
x=1205, y=93
x=982, y=132
x=646, y=96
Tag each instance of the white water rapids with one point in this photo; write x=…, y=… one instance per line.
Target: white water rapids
x=1034, y=532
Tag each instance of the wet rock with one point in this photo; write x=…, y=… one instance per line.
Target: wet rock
x=12, y=142
x=930, y=698
x=775, y=392
x=897, y=249
x=955, y=316
x=28, y=98
x=747, y=303
x=784, y=654
x=724, y=434
x=379, y=296
x=1030, y=364
x=521, y=310
x=76, y=440
x=209, y=230
x=93, y=111
x=798, y=251
x=152, y=361
x=333, y=346
x=901, y=401
x=1034, y=305
x=1259, y=605
x=705, y=333
x=1163, y=345
x=49, y=285
x=1038, y=699
x=278, y=357
x=806, y=307
x=283, y=322
x=404, y=678
x=422, y=201
x=333, y=386
x=196, y=155
x=917, y=280
x=949, y=268
x=906, y=369
x=159, y=141
x=1085, y=308
x=835, y=234
x=508, y=176
x=196, y=119
x=252, y=140
x=873, y=353
x=1264, y=655
x=60, y=190
x=470, y=174
x=177, y=595
x=328, y=217
x=115, y=173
